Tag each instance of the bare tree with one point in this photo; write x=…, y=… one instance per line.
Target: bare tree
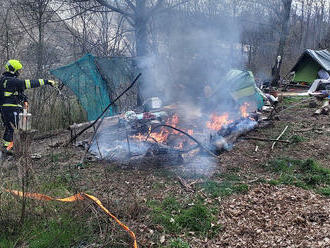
x=138, y=14
x=284, y=18
x=11, y=36
x=33, y=16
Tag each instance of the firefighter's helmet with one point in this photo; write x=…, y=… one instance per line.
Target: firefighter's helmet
x=13, y=66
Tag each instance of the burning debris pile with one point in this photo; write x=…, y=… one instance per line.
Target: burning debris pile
x=171, y=134
x=212, y=112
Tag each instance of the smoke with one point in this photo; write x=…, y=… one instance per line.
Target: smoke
x=193, y=56
x=194, y=53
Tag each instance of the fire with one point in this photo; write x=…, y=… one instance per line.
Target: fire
x=243, y=109
x=173, y=122
x=217, y=121
x=161, y=136
x=139, y=137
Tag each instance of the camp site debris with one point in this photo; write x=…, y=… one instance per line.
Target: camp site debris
x=166, y=134
x=150, y=133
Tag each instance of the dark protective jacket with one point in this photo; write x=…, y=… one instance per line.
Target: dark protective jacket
x=12, y=88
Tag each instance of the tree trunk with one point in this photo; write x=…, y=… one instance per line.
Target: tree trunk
x=39, y=72
x=283, y=38
x=302, y=22
x=309, y=6
x=141, y=39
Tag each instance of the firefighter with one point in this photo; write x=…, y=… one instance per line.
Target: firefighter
x=12, y=98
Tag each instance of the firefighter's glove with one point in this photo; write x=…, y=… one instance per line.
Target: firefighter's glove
x=53, y=83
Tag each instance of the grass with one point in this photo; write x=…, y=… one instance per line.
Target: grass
x=178, y=243
x=46, y=224
x=229, y=176
x=229, y=184
x=324, y=191
x=56, y=186
x=53, y=233
x=225, y=188
x=293, y=99
x=295, y=139
x=307, y=174
x=61, y=231
x=59, y=157
x=177, y=217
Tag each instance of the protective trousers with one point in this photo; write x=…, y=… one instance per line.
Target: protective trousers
x=9, y=116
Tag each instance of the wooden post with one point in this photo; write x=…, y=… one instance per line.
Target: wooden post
x=22, y=148
x=22, y=142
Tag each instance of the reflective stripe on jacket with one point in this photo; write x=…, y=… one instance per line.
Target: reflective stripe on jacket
x=12, y=88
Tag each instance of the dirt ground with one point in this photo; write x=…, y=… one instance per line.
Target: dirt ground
x=264, y=216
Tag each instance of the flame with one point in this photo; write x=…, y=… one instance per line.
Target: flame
x=162, y=135
x=173, y=122
x=139, y=137
x=243, y=110
x=217, y=121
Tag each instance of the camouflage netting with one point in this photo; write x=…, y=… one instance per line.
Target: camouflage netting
x=96, y=81
x=119, y=72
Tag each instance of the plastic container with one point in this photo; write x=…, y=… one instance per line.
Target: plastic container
x=152, y=103
x=25, y=120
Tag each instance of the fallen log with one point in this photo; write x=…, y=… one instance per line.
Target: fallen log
x=226, y=136
x=112, y=120
x=49, y=134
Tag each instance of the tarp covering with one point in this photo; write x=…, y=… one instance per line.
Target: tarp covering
x=83, y=78
x=309, y=63
x=118, y=73
x=243, y=87
x=95, y=81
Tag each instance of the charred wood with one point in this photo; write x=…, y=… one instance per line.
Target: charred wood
x=226, y=136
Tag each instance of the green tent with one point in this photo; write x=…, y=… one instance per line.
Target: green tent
x=308, y=65
x=96, y=81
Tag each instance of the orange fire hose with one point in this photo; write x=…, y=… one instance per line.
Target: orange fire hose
x=76, y=197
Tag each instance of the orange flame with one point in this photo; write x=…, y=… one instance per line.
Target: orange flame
x=217, y=121
x=243, y=109
x=162, y=135
x=173, y=122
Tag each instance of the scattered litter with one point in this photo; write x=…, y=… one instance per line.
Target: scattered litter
x=36, y=156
